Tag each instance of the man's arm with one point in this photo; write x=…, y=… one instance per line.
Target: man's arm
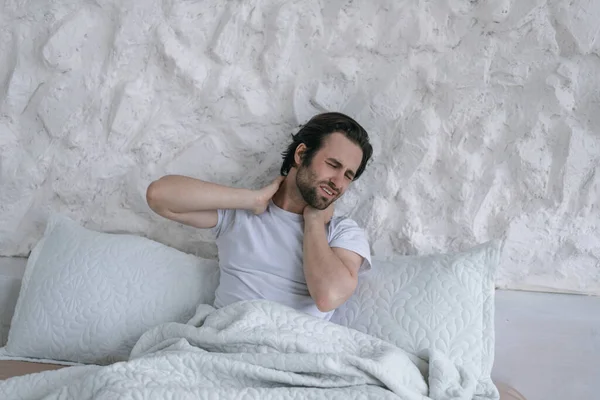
x=331, y=273
x=195, y=202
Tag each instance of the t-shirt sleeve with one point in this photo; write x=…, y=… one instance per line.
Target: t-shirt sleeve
x=348, y=235
x=224, y=222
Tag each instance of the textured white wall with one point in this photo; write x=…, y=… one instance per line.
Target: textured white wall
x=485, y=117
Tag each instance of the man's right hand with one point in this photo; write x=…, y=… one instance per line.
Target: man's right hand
x=265, y=194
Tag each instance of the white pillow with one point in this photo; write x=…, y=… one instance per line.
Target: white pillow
x=88, y=296
x=443, y=302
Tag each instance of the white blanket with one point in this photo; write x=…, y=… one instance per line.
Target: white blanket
x=254, y=350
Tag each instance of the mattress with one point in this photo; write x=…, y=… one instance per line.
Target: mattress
x=11, y=273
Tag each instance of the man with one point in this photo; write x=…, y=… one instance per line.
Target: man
x=281, y=243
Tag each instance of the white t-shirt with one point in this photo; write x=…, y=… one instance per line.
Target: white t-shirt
x=261, y=256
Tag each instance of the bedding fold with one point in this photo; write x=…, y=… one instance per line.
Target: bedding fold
x=254, y=349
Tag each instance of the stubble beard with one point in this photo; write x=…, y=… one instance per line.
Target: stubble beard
x=308, y=187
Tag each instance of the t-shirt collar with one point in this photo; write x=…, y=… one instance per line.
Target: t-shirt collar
x=283, y=213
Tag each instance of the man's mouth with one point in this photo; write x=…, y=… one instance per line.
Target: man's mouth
x=328, y=191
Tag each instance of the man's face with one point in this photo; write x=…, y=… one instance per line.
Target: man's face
x=331, y=171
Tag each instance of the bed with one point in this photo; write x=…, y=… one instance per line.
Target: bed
x=93, y=308
x=9, y=369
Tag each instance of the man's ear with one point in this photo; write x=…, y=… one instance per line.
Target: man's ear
x=299, y=154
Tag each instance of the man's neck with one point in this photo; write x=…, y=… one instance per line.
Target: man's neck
x=288, y=197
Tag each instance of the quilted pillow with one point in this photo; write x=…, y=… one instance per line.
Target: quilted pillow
x=87, y=297
x=443, y=302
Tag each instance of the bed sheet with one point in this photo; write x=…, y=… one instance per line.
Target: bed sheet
x=9, y=369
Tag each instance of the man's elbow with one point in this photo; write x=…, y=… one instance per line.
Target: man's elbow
x=325, y=304
x=331, y=300
x=154, y=196
x=329, y=297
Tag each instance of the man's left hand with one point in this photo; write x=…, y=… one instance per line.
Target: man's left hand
x=313, y=214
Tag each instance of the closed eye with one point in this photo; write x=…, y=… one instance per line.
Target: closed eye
x=349, y=175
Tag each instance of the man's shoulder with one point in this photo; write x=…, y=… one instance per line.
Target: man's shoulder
x=227, y=218
x=343, y=224
x=344, y=221
x=346, y=233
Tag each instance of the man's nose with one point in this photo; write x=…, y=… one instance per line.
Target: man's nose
x=336, y=182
